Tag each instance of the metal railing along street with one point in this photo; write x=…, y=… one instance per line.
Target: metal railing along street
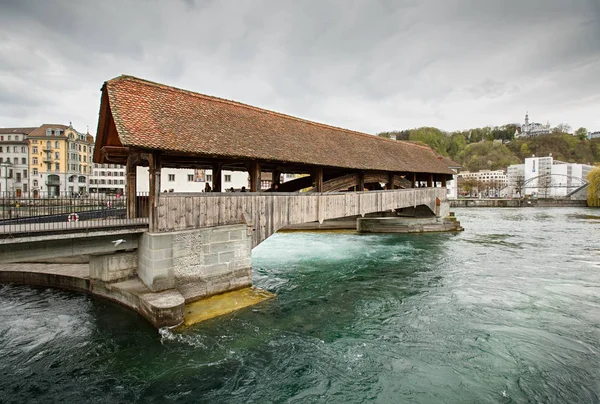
x=34, y=213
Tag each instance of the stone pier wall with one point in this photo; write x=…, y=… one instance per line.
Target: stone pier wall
x=198, y=263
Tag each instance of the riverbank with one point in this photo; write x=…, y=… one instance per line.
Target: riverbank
x=516, y=203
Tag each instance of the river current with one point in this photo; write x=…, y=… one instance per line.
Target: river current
x=507, y=311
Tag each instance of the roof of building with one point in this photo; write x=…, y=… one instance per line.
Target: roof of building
x=153, y=116
x=23, y=131
x=41, y=130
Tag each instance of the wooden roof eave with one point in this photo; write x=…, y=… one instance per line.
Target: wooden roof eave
x=107, y=137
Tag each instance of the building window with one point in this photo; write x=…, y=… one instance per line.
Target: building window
x=109, y=182
x=57, y=166
x=171, y=177
x=56, y=144
x=24, y=173
x=57, y=155
x=48, y=132
x=35, y=171
x=15, y=149
x=23, y=160
x=22, y=149
x=121, y=182
x=35, y=183
x=227, y=178
x=1, y=149
x=208, y=177
x=190, y=177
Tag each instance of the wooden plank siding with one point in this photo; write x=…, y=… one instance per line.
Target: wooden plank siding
x=271, y=211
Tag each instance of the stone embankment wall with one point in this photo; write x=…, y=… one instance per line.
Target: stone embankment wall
x=514, y=203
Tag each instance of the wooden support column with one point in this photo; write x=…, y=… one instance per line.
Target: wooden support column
x=154, y=167
x=429, y=180
x=317, y=179
x=217, y=178
x=444, y=181
x=255, y=176
x=390, y=182
x=131, y=187
x=276, y=177
x=414, y=179
x=360, y=181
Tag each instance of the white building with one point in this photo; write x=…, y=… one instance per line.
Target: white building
x=491, y=183
x=594, y=135
x=108, y=179
x=452, y=185
x=545, y=177
x=515, y=175
x=14, y=161
x=529, y=129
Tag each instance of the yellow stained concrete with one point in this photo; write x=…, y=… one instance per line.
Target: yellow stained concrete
x=224, y=303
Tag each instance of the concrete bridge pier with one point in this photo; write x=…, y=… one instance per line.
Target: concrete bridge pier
x=198, y=262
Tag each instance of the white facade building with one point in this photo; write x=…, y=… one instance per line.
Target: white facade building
x=108, y=179
x=594, y=135
x=545, y=177
x=515, y=175
x=492, y=183
x=14, y=161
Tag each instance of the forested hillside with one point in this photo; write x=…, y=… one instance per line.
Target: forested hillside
x=475, y=149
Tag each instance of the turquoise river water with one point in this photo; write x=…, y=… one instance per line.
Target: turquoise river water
x=507, y=311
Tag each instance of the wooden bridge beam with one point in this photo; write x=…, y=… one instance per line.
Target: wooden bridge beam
x=217, y=181
x=429, y=180
x=390, y=182
x=360, y=181
x=131, y=191
x=255, y=176
x=154, y=167
x=317, y=179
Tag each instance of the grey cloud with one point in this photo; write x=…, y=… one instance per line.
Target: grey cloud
x=367, y=65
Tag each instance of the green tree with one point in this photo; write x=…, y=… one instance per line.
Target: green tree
x=486, y=156
x=562, y=128
x=433, y=137
x=581, y=133
x=593, y=197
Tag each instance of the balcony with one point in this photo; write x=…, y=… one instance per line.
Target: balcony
x=53, y=181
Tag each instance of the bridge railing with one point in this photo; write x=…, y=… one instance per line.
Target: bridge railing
x=267, y=212
x=32, y=213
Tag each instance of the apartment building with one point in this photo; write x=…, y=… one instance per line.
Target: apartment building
x=14, y=161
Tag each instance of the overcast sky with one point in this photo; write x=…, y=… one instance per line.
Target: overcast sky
x=365, y=65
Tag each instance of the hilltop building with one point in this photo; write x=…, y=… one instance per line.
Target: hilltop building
x=529, y=129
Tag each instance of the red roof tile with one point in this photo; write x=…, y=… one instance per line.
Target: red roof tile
x=148, y=115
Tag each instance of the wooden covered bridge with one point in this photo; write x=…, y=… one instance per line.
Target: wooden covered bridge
x=150, y=124
x=199, y=245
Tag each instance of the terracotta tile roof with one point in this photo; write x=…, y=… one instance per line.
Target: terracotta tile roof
x=10, y=131
x=154, y=116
